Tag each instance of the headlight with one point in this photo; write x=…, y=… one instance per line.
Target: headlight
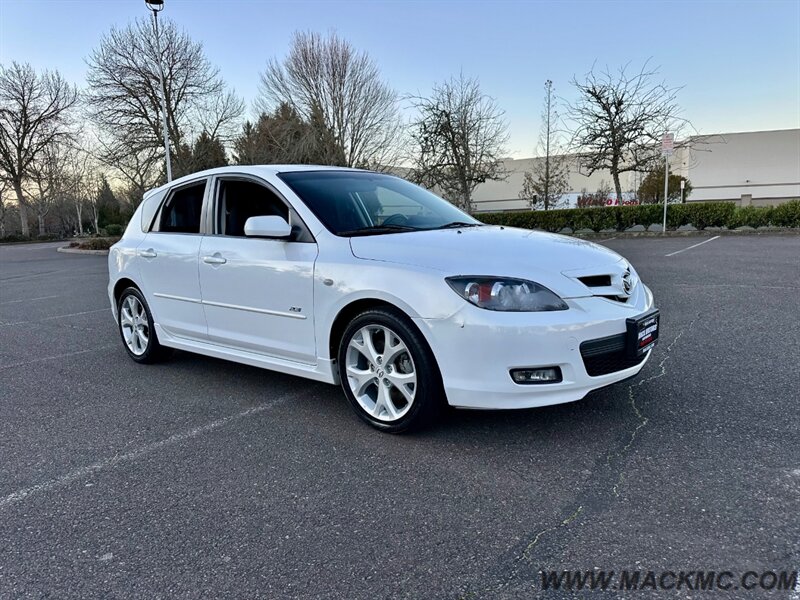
x=504, y=294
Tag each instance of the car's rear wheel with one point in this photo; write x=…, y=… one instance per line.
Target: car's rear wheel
x=136, y=328
x=388, y=372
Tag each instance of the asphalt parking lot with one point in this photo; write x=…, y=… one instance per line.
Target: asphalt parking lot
x=204, y=478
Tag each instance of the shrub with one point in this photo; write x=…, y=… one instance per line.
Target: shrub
x=711, y=214
x=98, y=243
x=15, y=237
x=650, y=213
x=603, y=218
x=114, y=230
x=752, y=216
x=678, y=214
x=787, y=215
x=700, y=214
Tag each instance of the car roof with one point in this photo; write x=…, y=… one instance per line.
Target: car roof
x=252, y=170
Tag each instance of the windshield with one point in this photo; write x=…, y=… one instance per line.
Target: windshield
x=361, y=203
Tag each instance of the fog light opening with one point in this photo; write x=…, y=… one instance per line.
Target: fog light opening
x=538, y=375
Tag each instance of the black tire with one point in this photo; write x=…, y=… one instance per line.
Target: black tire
x=153, y=352
x=429, y=396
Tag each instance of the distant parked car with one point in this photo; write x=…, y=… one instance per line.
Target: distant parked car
x=364, y=279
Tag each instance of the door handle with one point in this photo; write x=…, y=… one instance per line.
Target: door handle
x=149, y=253
x=215, y=259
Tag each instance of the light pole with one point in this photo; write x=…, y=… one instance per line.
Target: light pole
x=667, y=146
x=156, y=6
x=666, y=191
x=683, y=186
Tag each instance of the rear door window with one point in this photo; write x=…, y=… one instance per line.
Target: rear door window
x=183, y=210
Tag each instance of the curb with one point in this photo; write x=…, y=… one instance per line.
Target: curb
x=68, y=250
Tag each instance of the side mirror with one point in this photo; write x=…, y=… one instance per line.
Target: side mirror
x=267, y=226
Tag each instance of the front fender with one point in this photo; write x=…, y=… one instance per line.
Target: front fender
x=418, y=292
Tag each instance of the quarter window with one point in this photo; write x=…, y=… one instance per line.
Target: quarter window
x=183, y=211
x=149, y=210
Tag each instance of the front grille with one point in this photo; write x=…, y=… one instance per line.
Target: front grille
x=596, y=280
x=622, y=299
x=601, y=285
x=607, y=355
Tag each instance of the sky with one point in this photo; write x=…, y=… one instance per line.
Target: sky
x=737, y=62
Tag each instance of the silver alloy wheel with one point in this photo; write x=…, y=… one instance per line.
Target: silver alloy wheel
x=381, y=373
x=135, y=328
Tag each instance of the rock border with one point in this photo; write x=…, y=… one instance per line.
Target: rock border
x=695, y=233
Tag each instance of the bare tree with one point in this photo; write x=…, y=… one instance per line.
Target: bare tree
x=548, y=181
x=124, y=95
x=4, y=187
x=330, y=84
x=619, y=118
x=48, y=181
x=83, y=175
x=34, y=111
x=88, y=191
x=139, y=170
x=458, y=139
x=79, y=203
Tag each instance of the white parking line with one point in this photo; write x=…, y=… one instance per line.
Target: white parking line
x=85, y=312
x=44, y=358
x=113, y=461
x=694, y=246
x=29, y=300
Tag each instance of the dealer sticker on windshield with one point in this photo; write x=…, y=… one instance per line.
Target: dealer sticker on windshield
x=642, y=333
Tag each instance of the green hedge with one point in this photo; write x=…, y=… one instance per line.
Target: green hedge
x=700, y=215
x=114, y=230
x=15, y=237
x=42, y=237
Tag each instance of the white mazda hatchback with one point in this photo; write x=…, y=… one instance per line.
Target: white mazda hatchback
x=364, y=279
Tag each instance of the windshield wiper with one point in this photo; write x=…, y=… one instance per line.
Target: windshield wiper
x=378, y=229
x=457, y=224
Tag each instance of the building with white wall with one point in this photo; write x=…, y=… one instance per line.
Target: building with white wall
x=758, y=168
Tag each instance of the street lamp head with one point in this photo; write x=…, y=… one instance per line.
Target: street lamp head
x=155, y=5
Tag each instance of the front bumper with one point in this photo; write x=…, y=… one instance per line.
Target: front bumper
x=476, y=350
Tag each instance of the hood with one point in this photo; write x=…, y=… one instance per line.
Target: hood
x=549, y=259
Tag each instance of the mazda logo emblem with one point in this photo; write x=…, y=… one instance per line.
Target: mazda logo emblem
x=627, y=284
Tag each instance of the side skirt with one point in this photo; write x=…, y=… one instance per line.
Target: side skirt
x=324, y=371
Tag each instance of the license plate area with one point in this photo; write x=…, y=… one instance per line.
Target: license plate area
x=642, y=333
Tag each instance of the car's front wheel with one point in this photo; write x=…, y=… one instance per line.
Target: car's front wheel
x=388, y=372
x=136, y=328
